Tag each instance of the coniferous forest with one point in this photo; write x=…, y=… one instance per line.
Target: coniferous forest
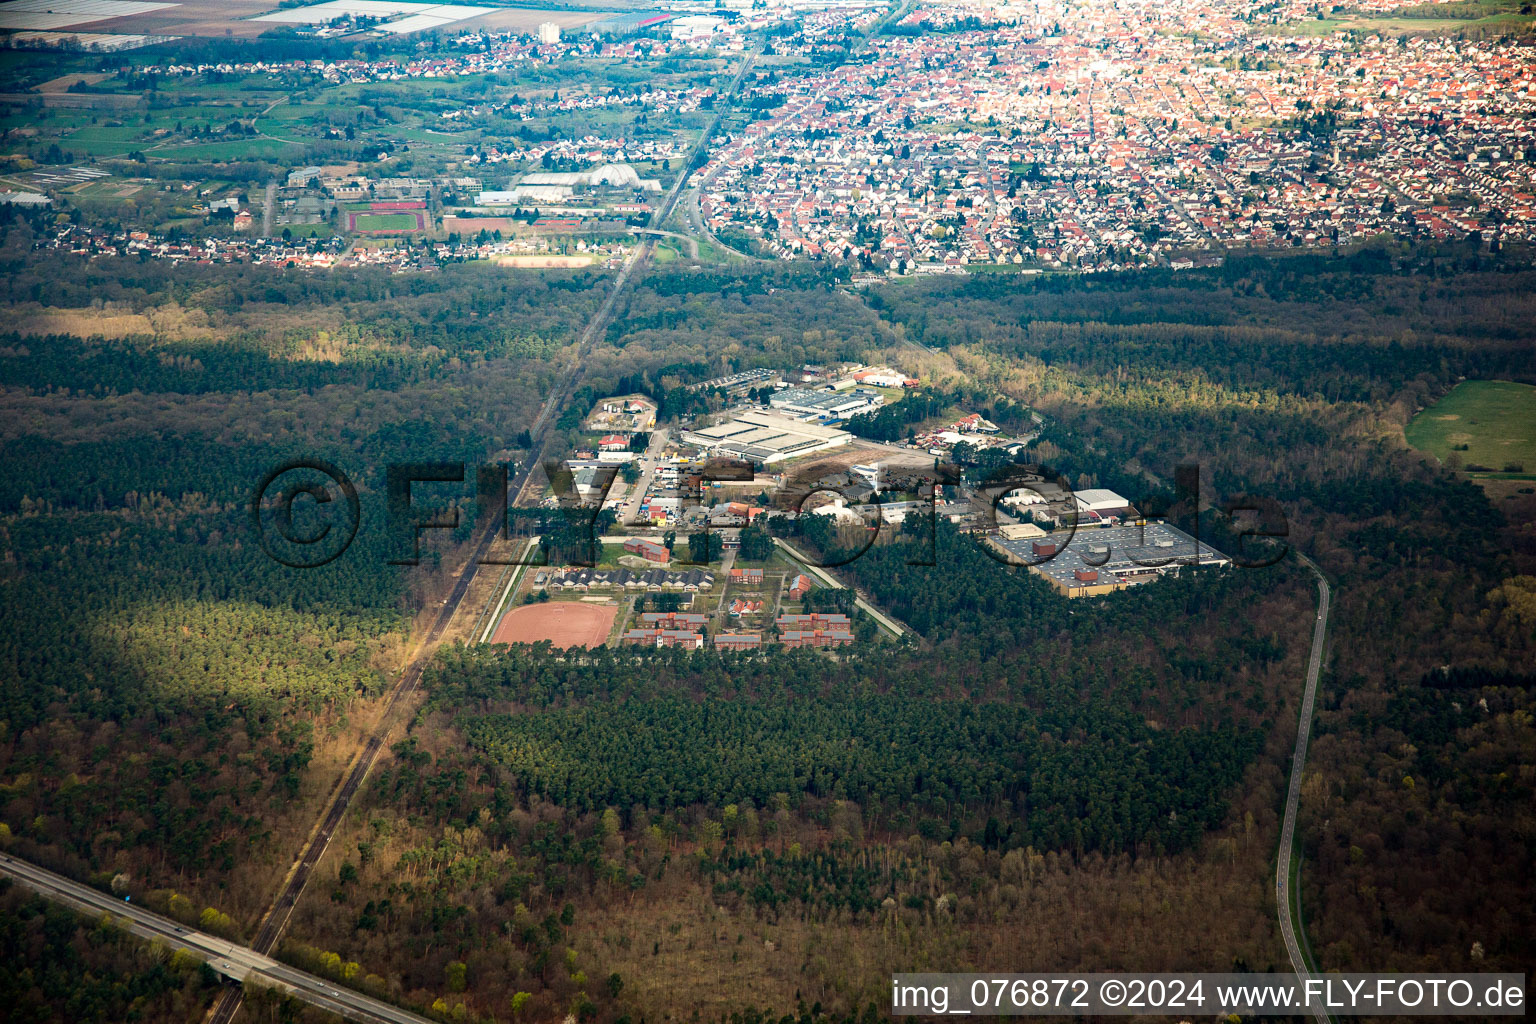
x=1021, y=782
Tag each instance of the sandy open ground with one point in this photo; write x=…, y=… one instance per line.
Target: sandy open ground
x=562, y=623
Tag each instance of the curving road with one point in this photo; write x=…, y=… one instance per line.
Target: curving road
x=688, y=240
x=1289, y=928
x=233, y=961
x=276, y=919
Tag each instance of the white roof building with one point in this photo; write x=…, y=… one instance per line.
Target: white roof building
x=1098, y=499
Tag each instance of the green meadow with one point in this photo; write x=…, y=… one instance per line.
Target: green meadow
x=1488, y=425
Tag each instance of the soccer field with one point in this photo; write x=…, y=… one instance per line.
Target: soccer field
x=1490, y=425
x=385, y=222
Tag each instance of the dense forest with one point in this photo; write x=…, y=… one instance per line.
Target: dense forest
x=173, y=700
x=1022, y=779
x=897, y=758
x=58, y=966
x=806, y=794
x=1293, y=379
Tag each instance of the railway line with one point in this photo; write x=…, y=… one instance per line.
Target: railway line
x=276, y=920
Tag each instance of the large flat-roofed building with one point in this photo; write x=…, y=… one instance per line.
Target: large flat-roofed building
x=1100, y=500
x=830, y=405
x=766, y=437
x=742, y=381
x=1105, y=559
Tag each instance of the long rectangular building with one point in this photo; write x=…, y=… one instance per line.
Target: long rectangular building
x=823, y=404
x=814, y=620
x=816, y=638
x=663, y=638
x=602, y=579
x=766, y=437
x=737, y=381
x=673, y=620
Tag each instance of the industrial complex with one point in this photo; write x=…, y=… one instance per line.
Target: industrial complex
x=765, y=437
x=1108, y=558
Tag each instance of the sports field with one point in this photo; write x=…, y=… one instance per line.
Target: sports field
x=471, y=226
x=1488, y=425
x=562, y=623
x=384, y=221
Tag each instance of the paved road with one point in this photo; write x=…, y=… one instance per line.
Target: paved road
x=688, y=240
x=276, y=920
x=277, y=917
x=649, y=460
x=889, y=623
x=233, y=961
x=727, y=562
x=281, y=911
x=1288, y=927
x=659, y=217
x=694, y=220
x=266, y=209
x=493, y=611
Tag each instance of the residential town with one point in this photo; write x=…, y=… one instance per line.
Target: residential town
x=1100, y=135
x=1081, y=135
x=317, y=254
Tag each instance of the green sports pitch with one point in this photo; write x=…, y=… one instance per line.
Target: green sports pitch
x=384, y=222
x=1489, y=425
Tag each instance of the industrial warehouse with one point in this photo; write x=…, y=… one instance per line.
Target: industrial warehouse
x=1109, y=558
x=765, y=437
x=824, y=405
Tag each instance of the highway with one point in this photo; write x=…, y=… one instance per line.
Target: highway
x=277, y=917
x=1289, y=927
x=233, y=961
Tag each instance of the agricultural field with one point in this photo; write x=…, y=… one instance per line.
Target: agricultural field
x=1487, y=427
x=246, y=19
x=187, y=155
x=1427, y=19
